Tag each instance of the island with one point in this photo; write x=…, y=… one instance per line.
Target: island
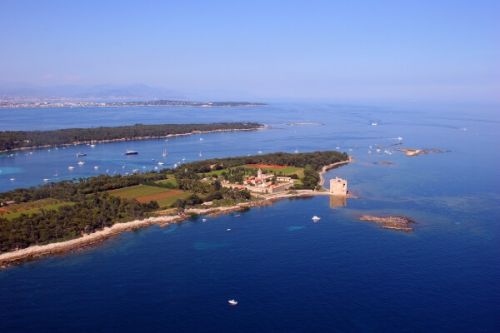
x=412, y=152
x=396, y=222
x=22, y=140
x=63, y=216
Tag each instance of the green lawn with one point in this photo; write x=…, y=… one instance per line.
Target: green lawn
x=146, y=193
x=286, y=171
x=32, y=207
x=214, y=172
x=170, y=182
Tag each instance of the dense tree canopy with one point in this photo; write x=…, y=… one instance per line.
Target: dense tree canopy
x=91, y=208
x=22, y=139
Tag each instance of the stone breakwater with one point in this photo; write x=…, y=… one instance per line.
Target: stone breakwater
x=400, y=223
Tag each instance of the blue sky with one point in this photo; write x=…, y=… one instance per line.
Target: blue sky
x=447, y=50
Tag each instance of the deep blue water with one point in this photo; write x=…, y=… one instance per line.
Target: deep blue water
x=288, y=274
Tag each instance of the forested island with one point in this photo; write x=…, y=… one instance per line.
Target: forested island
x=66, y=210
x=15, y=140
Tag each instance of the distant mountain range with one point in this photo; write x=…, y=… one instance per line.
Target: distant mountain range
x=90, y=92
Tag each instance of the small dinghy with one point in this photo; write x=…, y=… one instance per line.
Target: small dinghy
x=233, y=302
x=316, y=218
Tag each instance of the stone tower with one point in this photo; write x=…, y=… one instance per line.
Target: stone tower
x=338, y=187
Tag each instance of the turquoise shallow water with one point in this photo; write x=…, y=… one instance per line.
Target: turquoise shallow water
x=288, y=274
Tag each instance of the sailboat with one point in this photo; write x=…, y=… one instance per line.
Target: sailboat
x=164, y=152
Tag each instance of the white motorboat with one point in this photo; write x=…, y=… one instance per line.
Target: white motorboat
x=316, y=218
x=233, y=302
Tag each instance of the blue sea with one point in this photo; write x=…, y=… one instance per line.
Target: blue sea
x=287, y=273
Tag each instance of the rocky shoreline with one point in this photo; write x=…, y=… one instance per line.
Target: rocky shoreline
x=412, y=152
x=395, y=222
x=38, y=251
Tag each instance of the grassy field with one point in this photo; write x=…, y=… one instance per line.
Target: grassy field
x=279, y=170
x=29, y=208
x=146, y=193
x=170, y=182
x=214, y=172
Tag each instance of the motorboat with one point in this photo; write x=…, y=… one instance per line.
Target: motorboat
x=316, y=218
x=131, y=152
x=81, y=154
x=233, y=302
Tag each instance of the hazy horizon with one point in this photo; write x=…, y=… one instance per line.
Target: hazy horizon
x=381, y=52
